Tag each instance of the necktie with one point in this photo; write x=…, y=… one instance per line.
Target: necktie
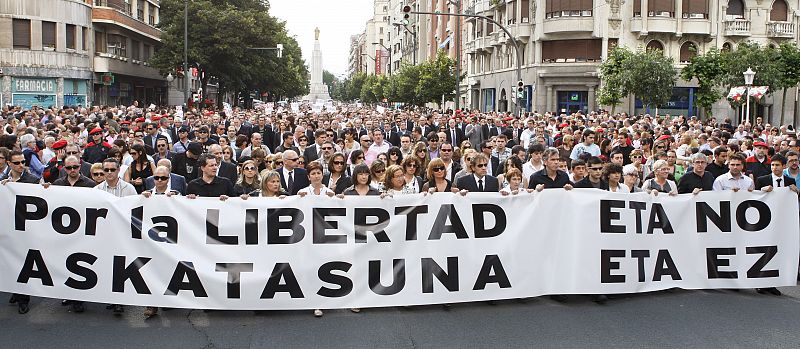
x=290, y=182
x=480, y=185
x=453, y=139
x=779, y=181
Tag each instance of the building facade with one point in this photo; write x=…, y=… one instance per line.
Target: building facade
x=126, y=36
x=564, y=42
x=46, y=53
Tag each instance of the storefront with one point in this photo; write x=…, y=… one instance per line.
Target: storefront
x=573, y=101
x=117, y=89
x=28, y=92
x=76, y=92
x=682, y=102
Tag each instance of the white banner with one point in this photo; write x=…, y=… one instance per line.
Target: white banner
x=319, y=252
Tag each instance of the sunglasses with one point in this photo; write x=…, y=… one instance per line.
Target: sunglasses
x=360, y=158
x=326, y=148
x=73, y=153
x=411, y=165
x=109, y=170
x=366, y=140
x=161, y=178
x=380, y=171
x=278, y=162
x=480, y=165
x=249, y=168
x=97, y=174
x=338, y=162
x=440, y=168
x=71, y=168
x=636, y=156
x=161, y=145
x=446, y=150
x=18, y=162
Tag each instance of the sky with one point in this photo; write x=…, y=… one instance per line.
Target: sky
x=337, y=21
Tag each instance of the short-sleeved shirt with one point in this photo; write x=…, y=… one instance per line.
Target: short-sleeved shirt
x=541, y=177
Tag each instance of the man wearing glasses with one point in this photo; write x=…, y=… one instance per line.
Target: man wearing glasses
x=594, y=179
x=97, y=150
x=73, y=178
x=479, y=181
x=151, y=138
x=171, y=181
x=314, y=152
x=452, y=167
x=326, y=152
x=292, y=178
x=699, y=179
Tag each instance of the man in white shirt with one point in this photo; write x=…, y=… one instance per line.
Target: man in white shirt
x=535, y=164
x=735, y=178
x=587, y=146
x=378, y=146
x=113, y=184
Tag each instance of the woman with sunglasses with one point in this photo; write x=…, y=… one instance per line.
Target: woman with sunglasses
x=98, y=176
x=421, y=152
x=394, y=156
x=336, y=178
x=139, y=169
x=356, y=158
x=378, y=172
x=466, y=158
x=437, y=177
x=259, y=156
x=350, y=143
x=227, y=153
x=411, y=171
x=249, y=180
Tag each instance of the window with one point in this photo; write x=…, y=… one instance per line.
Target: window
x=525, y=11
x=49, y=34
x=117, y=45
x=661, y=8
x=151, y=15
x=22, y=33
x=135, y=50
x=140, y=10
x=84, y=38
x=567, y=8
x=567, y=51
x=99, y=42
x=688, y=50
x=695, y=9
x=735, y=9
x=727, y=47
x=70, y=36
x=779, y=11
x=655, y=45
x=511, y=9
x=129, y=7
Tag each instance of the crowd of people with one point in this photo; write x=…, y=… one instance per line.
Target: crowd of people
x=351, y=150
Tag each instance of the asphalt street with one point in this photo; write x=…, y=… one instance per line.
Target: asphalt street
x=667, y=319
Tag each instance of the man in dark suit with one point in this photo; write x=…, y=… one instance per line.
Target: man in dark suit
x=226, y=170
x=185, y=164
x=479, y=181
x=495, y=128
x=150, y=138
x=176, y=182
x=776, y=179
x=494, y=162
x=292, y=178
x=312, y=152
x=454, y=134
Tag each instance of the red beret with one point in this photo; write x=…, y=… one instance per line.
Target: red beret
x=96, y=130
x=599, y=130
x=508, y=118
x=156, y=118
x=139, y=120
x=125, y=123
x=60, y=144
x=563, y=125
x=664, y=137
x=760, y=144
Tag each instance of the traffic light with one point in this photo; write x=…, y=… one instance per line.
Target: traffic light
x=406, y=14
x=520, y=89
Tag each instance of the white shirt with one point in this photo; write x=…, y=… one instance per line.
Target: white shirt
x=728, y=182
x=775, y=181
x=374, y=150
x=480, y=179
x=528, y=169
x=309, y=190
x=123, y=188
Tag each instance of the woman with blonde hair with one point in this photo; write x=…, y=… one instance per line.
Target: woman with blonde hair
x=377, y=172
x=465, y=160
x=660, y=183
x=394, y=182
x=437, y=178
x=249, y=179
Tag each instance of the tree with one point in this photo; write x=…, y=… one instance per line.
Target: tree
x=650, y=76
x=437, y=79
x=611, y=93
x=220, y=31
x=789, y=66
x=709, y=71
x=404, y=85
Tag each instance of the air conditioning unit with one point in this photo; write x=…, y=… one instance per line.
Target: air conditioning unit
x=697, y=16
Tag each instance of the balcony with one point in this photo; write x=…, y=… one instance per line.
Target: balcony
x=116, y=17
x=737, y=27
x=696, y=26
x=494, y=39
x=521, y=31
x=780, y=29
x=483, y=43
x=109, y=63
x=568, y=25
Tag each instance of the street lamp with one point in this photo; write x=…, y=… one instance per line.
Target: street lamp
x=748, y=80
x=365, y=64
x=388, y=69
x=186, y=52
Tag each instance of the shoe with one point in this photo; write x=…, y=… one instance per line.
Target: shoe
x=13, y=299
x=771, y=290
x=355, y=310
x=150, y=312
x=317, y=313
x=118, y=309
x=600, y=299
x=77, y=307
x=23, y=308
x=559, y=298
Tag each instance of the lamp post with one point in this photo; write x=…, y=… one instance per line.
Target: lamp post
x=748, y=80
x=186, y=52
x=389, y=68
x=170, y=79
x=365, y=64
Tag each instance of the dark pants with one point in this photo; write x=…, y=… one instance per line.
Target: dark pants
x=22, y=298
